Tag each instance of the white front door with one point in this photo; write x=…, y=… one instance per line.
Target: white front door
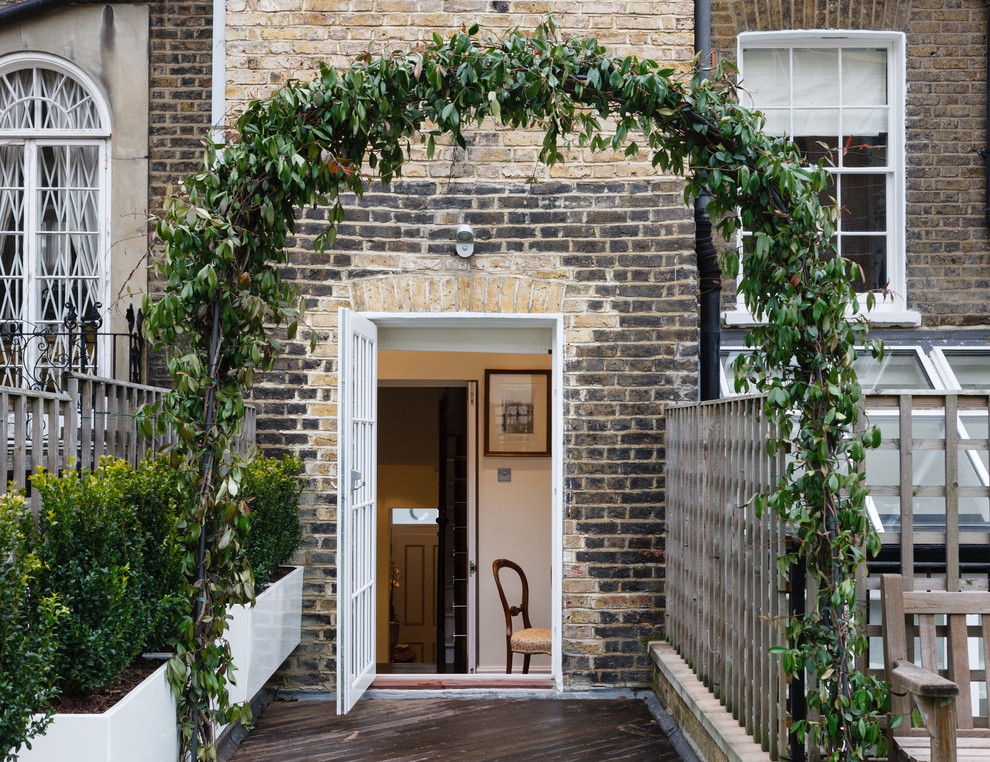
x=357, y=396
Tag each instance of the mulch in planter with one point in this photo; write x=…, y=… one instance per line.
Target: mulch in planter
x=279, y=572
x=103, y=699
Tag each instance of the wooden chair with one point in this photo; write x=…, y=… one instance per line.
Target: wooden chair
x=529, y=640
x=951, y=733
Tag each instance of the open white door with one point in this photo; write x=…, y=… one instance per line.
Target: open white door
x=357, y=396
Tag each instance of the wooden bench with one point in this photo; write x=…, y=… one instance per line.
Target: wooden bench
x=943, y=698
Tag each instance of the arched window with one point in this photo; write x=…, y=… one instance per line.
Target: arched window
x=54, y=145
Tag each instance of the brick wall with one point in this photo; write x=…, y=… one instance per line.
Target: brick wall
x=615, y=259
x=948, y=266
x=271, y=40
x=181, y=61
x=180, y=105
x=601, y=239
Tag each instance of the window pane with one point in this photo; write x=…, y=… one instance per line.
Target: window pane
x=829, y=195
x=818, y=147
x=896, y=370
x=865, y=121
x=816, y=77
x=870, y=254
x=767, y=77
x=817, y=121
x=68, y=235
x=864, y=150
x=971, y=369
x=11, y=233
x=976, y=427
x=44, y=99
x=778, y=121
x=928, y=470
x=863, y=200
x=864, y=77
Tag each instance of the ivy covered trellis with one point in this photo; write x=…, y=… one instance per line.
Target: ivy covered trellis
x=225, y=230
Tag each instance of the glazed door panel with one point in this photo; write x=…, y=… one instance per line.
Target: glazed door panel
x=356, y=507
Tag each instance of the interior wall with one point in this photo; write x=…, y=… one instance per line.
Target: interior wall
x=514, y=518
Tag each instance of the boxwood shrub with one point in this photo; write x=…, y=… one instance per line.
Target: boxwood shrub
x=91, y=544
x=272, y=488
x=28, y=634
x=96, y=578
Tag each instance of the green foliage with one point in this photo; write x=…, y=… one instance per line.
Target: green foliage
x=272, y=488
x=224, y=233
x=155, y=492
x=28, y=634
x=89, y=545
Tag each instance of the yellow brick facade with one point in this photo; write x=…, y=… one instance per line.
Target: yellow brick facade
x=269, y=41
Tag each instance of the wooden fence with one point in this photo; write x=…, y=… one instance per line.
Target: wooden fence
x=930, y=497
x=724, y=594
x=94, y=417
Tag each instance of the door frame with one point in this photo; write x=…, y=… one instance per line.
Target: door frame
x=553, y=322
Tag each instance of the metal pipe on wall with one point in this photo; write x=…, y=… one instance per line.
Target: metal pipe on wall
x=985, y=151
x=709, y=275
x=27, y=9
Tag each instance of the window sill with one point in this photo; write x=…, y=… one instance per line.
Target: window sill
x=887, y=318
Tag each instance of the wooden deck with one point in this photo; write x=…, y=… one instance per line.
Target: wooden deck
x=497, y=730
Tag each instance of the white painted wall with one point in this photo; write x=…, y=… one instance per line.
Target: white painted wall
x=514, y=523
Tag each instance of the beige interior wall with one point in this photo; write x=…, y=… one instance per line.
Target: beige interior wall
x=110, y=44
x=514, y=518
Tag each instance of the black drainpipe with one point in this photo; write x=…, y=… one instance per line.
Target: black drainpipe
x=985, y=151
x=709, y=275
x=29, y=8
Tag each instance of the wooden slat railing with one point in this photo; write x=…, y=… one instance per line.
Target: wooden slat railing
x=94, y=417
x=724, y=595
x=725, y=600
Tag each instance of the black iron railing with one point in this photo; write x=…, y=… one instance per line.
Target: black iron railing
x=37, y=356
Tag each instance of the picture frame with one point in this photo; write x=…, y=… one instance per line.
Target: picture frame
x=517, y=413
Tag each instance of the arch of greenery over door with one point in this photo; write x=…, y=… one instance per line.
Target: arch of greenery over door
x=225, y=229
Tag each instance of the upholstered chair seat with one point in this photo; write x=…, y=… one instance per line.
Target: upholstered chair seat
x=535, y=640
x=529, y=640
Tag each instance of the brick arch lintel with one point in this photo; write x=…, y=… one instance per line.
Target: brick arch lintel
x=475, y=292
x=777, y=15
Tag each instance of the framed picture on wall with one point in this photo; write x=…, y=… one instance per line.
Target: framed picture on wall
x=517, y=412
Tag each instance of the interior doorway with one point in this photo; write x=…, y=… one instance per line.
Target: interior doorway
x=432, y=457
x=425, y=454
x=442, y=516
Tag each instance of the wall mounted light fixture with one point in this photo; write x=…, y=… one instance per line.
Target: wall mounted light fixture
x=464, y=241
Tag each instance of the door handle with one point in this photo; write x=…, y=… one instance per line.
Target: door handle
x=357, y=480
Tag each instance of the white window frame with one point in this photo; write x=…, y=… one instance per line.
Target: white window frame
x=929, y=366
x=890, y=311
x=36, y=138
x=940, y=359
x=933, y=364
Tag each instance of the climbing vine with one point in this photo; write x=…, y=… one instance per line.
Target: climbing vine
x=224, y=232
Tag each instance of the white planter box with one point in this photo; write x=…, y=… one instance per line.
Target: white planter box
x=138, y=728
x=141, y=726
x=262, y=637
